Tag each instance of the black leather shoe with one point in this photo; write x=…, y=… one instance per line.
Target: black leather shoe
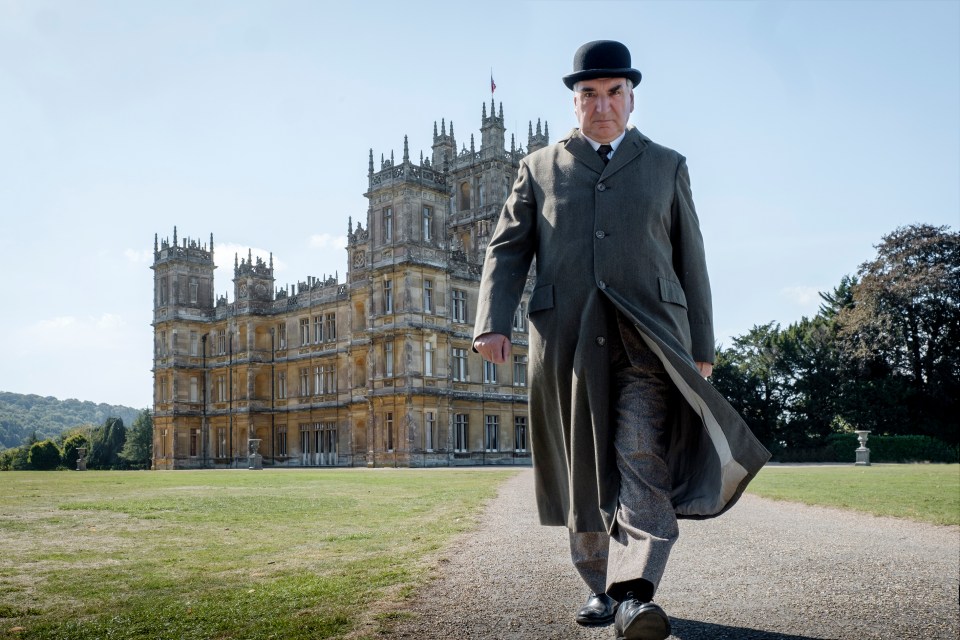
x=599, y=609
x=637, y=620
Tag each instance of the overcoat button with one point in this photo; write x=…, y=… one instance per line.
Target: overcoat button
x=601, y=187
x=601, y=340
x=600, y=234
x=602, y=284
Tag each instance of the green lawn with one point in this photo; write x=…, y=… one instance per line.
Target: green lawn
x=923, y=492
x=289, y=554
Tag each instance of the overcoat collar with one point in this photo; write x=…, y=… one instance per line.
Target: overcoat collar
x=632, y=145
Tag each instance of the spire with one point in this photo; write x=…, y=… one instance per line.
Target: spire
x=483, y=115
x=174, y=235
x=434, y=130
x=443, y=126
x=349, y=230
x=513, y=145
x=211, y=242
x=501, y=110
x=236, y=262
x=154, y=243
x=472, y=148
x=406, y=150
x=370, y=169
x=546, y=131
x=539, y=133
x=493, y=108
x=421, y=157
x=249, y=256
x=391, y=157
x=530, y=129
x=271, y=263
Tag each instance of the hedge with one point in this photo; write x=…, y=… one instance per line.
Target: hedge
x=841, y=447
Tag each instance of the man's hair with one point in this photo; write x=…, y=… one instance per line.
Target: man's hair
x=628, y=81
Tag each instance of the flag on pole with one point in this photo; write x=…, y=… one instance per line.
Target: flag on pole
x=493, y=85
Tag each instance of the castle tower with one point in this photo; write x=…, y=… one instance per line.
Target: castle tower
x=492, y=132
x=540, y=139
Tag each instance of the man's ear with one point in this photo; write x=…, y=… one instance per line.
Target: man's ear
x=631, y=100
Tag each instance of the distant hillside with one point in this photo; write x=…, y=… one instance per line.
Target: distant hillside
x=21, y=415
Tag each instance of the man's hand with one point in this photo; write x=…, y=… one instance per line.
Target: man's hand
x=705, y=369
x=494, y=347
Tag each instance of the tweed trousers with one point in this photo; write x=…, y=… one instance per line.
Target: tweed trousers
x=644, y=403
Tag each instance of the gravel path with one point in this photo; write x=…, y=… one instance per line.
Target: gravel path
x=764, y=571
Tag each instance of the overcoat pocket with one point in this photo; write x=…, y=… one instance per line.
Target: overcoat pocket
x=672, y=292
x=540, y=299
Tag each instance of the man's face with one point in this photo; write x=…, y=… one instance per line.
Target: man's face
x=603, y=107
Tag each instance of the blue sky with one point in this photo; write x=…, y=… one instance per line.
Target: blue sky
x=811, y=129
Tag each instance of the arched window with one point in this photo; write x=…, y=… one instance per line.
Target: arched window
x=464, y=196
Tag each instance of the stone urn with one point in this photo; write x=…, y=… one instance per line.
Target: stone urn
x=253, y=456
x=863, y=454
x=81, y=458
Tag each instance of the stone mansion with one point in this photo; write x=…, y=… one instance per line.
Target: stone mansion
x=374, y=370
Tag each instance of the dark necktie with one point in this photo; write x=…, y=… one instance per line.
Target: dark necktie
x=603, y=151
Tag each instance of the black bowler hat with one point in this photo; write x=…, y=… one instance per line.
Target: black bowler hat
x=601, y=59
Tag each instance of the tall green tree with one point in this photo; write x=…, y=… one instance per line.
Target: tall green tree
x=71, y=444
x=44, y=456
x=106, y=442
x=903, y=326
x=138, y=449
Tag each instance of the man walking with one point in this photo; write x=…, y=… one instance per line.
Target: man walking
x=626, y=432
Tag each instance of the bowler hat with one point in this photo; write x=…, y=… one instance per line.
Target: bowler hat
x=601, y=59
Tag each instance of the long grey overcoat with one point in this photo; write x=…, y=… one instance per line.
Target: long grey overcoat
x=627, y=231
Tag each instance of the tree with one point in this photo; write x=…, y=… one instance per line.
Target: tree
x=44, y=456
x=14, y=459
x=138, y=449
x=903, y=326
x=747, y=375
x=106, y=442
x=69, y=451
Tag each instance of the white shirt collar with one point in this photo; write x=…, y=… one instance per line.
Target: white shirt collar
x=613, y=143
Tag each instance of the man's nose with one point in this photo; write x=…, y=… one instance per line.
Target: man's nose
x=603, y=103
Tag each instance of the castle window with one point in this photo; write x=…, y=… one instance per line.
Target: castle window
x=221, y=442
x=316, y=380
x=520, y=433
x=304, y=331
x=328, y=377
x=388, y=358
x=194, y=442
x=491, y=432
x=482, y=195
x=194, y=389
x=163, y=389
x=428, y=296
x=427, y=223
x=459, y=305
x=489, y=372
x=464, y=196
x=163, y=443
x=460, y=365
x=282, y=440
x=221, y=342
x=520, y=317
x=331, y=327
x=461, y=432
x=388, y=423
x=428, y=358
x=429, y=428
x=221, y=388
x=194, y=288
x=193, y=343
x=317, y=329
x=304, y=382
x=281, y=335
x=282, y=385
x=388, y=224
x=163, y=291
x=519, y=371
x=388, y=296
x=162, y=344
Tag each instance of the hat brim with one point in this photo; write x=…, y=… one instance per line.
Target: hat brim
x=589, y=74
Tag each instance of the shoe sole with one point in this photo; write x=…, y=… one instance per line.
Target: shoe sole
x=649, y=625
x=595, y=622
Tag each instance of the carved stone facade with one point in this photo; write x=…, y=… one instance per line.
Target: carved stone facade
x=373, y=370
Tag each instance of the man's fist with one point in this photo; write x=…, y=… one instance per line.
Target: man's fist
x=494, y=347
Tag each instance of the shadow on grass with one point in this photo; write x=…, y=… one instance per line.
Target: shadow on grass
x=695, y=630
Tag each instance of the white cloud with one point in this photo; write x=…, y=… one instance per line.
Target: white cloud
x=225, y=253
x=144, y=256
x=327, y=241
x=802, y=296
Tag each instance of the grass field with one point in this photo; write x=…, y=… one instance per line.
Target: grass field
x=291, y=554
x=294, y=554
x=923, y=492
